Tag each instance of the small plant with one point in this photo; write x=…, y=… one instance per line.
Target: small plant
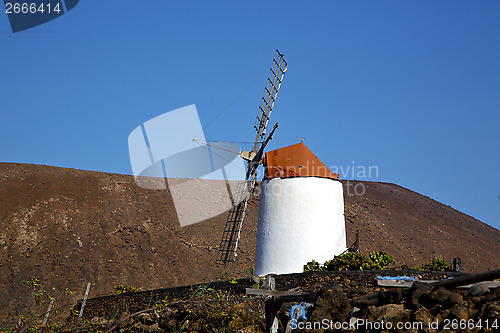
x=32, y=283
x=213, y=311
x=161, y=305
x=380, y=259
x=204, y=292
x=120, y=289
x=227, y=277
x=435, y=264
x=42, y=296
x=314, y=266
x=68, y=292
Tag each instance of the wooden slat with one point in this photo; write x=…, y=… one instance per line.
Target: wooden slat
x=487, y=284
x=407, y=284
x=399, y=283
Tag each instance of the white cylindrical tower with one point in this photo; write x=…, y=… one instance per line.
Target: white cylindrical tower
x=301, y=217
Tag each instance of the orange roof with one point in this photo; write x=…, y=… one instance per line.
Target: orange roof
x=295, y=161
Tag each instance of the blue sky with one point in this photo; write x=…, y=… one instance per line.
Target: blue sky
x=411, y=87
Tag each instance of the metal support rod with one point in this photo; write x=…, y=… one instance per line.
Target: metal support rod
x=48, y=312
x=214, y=146
x=84, y=300
x=271, y=306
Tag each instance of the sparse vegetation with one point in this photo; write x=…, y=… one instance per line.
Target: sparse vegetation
x=161, y=305
x=214, y=311
x=377, y=260
x=121, y=289
x=35, y=315
x=205, y=292
x=207, y=310
x=227, y=277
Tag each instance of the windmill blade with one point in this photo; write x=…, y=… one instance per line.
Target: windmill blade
x=276, y=74
x=231, y=234
x=232, y=229
x=234, y=221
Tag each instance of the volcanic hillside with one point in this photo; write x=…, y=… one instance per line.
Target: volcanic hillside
x=68, y=227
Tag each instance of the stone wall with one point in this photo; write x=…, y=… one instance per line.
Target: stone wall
x=354, y=284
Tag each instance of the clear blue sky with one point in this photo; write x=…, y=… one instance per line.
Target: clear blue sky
x=412, y=87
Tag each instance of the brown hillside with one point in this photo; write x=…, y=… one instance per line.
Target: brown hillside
x=68, y=227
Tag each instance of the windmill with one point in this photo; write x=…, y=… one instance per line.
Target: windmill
x=234, y=221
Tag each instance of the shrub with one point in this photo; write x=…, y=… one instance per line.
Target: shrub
x=350, y=261
x=435, y=264
x=314, y=266
x=120, y=289
x=381, y=259
x=353, y=261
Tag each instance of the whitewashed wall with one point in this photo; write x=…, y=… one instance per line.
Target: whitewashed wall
x=300, y=219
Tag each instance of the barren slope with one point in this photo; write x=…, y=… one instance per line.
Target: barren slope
x=68, y=227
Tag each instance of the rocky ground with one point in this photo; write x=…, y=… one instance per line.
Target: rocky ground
x=420, y=308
